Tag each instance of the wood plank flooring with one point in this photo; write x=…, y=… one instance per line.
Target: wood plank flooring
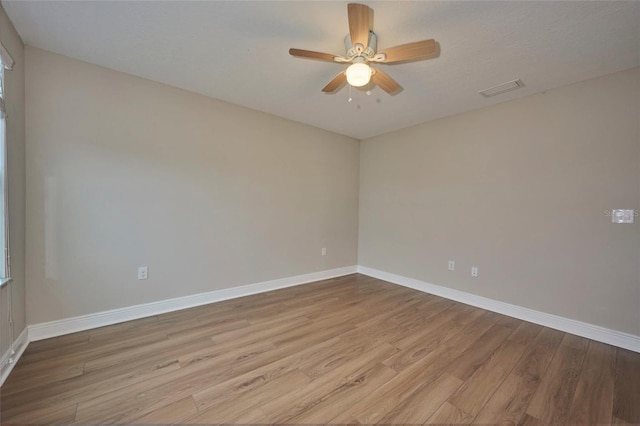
x=351, y=350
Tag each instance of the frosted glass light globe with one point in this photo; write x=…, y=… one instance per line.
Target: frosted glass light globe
x=358, y=74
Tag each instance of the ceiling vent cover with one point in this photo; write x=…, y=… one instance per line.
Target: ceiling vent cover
x=502, y=88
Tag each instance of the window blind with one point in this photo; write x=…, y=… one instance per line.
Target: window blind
x=7, y=63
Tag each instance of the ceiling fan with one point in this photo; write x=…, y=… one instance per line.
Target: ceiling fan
x=361, y=50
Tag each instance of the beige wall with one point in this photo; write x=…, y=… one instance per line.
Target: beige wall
x=519, y=190
x=125, y=172
x=14, y=100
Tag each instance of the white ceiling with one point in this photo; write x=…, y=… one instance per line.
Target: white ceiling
x=238, y=51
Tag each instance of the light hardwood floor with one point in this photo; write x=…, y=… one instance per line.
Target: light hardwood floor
x=348, y=350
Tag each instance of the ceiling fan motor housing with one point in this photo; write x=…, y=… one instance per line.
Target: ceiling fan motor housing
x=353, y=51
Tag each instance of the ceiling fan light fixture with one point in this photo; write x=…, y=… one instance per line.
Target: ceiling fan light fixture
x=358, y=74
x=361, y=47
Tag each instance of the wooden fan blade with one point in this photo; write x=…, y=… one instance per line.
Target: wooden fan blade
x=309, y=54
x=337, y=82
x=411, y=51
x=386, y=83
x=359, y=20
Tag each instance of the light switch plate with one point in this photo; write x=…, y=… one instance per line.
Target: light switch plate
x=622, y=216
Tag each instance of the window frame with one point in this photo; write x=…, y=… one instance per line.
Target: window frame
x=6, y=63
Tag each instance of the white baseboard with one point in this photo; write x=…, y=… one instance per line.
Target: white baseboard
x=100, y=319
x=18, y=347
x=590, y=331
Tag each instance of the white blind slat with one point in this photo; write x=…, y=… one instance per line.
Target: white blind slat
x=7, y=60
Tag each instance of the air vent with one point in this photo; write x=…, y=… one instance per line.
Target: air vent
x=502, y=88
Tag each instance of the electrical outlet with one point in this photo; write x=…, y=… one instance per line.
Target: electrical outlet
x=143, y=273
x=474, y=271
x=324, y=251
x=452, y=265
